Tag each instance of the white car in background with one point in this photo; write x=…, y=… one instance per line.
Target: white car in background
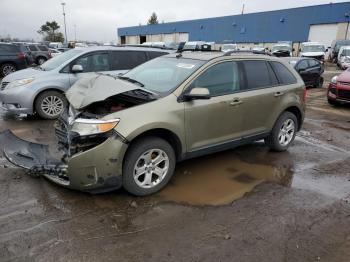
x=313, y=50
x=229, y=47
x=344, y=57
x=54, y=52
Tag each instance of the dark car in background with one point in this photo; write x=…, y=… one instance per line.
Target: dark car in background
x=339, y=89
x=24, y=48
x=12, y=58
x=40, y=53
x=310, y=70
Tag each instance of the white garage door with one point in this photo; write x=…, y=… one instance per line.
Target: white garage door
x=323, y=34
x=183, y=37
x=168, y=37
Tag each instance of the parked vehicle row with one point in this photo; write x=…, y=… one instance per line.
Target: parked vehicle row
x=41, y=89
x=131, y=130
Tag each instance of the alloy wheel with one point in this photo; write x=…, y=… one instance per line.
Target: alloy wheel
x=286, y=133
x=8, y=69
x=52, y=106
x=151, y=168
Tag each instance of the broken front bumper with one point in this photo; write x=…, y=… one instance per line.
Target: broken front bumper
x=95, y=170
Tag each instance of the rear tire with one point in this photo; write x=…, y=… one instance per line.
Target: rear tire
x=50, y=104
x=283, y=132
x=142, y=174
x=6, y=69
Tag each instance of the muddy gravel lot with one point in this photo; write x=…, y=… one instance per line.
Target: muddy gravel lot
x=246, y=204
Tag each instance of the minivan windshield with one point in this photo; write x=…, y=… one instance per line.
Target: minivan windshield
x=162, y=75
x=313, y=48
x=59, y=60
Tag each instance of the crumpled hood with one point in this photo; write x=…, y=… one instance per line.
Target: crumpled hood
x=21, y=74
x=95, y=88
x=312, y=54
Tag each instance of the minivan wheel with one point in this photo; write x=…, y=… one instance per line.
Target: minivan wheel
x=283, y=132
x=50, y=104
x=149, y=165
x=6, y=69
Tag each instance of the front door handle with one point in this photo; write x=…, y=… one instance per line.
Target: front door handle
x=236, y=102
x=277, y=94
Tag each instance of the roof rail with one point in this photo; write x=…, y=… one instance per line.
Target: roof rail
x=228, y=53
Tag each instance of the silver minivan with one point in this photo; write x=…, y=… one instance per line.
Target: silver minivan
x=41, y=89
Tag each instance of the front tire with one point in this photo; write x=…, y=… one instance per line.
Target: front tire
x=283, y=132
x=149, y=165
x=50, y=104
x=6, y=69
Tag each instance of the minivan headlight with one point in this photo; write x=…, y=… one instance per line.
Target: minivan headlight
x=20, y=82
x=85, y=127
x=334, y=80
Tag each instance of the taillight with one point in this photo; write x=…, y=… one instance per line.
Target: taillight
x=305, y=94
x=21, y=56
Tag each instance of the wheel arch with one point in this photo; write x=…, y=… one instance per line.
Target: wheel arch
x=297, y=112
x=165, y=134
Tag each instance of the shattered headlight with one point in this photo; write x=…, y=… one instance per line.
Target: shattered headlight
x=20, y=82
x=85, y=127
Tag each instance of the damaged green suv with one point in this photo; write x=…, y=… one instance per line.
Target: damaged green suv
x=131, y=130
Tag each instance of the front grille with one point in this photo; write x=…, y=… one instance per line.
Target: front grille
x=344, y=93
x=3, y=85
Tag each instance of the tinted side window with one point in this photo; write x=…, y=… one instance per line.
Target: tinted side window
x=313, y=63
x=42, y=48
x=9, y=48
x=126, y=60
x=285, y=77
x=220, y=79
x=96, y=62
x=257, y=74
x=32, y=48
x=152, y=55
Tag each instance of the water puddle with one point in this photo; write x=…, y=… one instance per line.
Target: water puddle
x=220, y=179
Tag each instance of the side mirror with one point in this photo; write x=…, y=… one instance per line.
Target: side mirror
x=197, y=93
x=77, y=69
x=326, y=50
x=293, y=49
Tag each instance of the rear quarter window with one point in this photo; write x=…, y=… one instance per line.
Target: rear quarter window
x=284, y=76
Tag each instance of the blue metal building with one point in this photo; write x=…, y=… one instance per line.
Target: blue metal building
x=263, y=27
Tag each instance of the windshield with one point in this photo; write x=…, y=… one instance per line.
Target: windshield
x=162, y=75
x=281, y=48
x=59, y=60
x=313, y=48
x=229, y=47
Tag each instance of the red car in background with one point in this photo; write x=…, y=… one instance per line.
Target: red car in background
x=339, y=89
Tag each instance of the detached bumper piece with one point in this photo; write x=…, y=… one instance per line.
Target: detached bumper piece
x=36, y=158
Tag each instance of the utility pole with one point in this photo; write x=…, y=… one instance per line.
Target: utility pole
x=243, y=9
x=75, y=33
x=65, y=27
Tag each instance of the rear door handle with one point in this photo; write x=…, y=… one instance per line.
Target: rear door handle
x=277, y=94
x=236, y=102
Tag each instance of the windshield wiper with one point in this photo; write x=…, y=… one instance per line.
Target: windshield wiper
x=131, y=80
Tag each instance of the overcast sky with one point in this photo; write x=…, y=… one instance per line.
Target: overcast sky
x=99, y=19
